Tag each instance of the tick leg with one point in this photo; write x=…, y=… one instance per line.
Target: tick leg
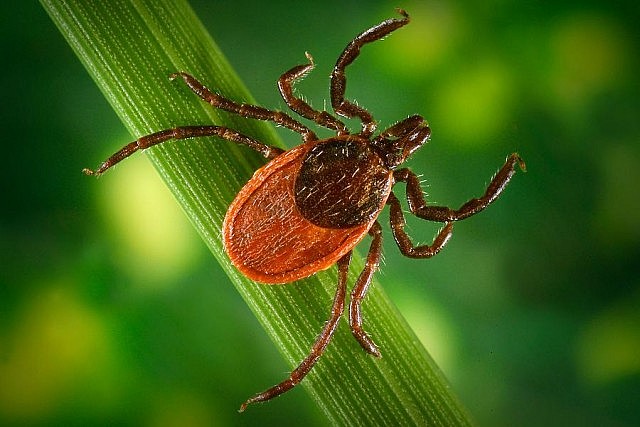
x=245, y=110
x=184, y=132
x=346, y=108
x=318, y=347
x=360, y=290
x=404, y=242
x=285, y=85
x=418, y=206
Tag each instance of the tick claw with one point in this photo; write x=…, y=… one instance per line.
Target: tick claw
x=260, y=397
x=366, y=343
x=310, y=58
x=523, y=166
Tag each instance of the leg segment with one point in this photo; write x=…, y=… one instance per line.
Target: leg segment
x=360, y=290
x=346, y=108
x=182, y=133
x=245, y=110
x=404, y=242
x=285, y=85
x=318, y=347
x=418, y=206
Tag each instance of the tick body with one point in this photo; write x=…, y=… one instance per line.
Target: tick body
x=300, y=206
x=308, y=207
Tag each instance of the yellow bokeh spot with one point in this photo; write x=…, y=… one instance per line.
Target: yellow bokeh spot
x=178, y=408
x=57, y=344
x=609, y=347
x=616, y=213
x=155, y=240
x=422, y=46
x=473, y=106
x=433, y=328
x=588, y=54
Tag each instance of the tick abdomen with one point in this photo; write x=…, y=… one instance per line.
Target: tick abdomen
x=266, y=236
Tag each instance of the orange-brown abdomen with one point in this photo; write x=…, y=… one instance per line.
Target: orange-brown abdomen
x=268, y=239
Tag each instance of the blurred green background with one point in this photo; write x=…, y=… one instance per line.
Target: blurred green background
x=532, y=311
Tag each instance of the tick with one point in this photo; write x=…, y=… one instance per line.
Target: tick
x=308, y=207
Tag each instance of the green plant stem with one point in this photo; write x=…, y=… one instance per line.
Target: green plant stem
x=129, y=47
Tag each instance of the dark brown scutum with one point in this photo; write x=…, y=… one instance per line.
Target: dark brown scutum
x=341, y=183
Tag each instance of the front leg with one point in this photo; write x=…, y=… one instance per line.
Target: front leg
x=418, y=206
x=341, y=106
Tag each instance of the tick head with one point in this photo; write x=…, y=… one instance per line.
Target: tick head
x=401, y=140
